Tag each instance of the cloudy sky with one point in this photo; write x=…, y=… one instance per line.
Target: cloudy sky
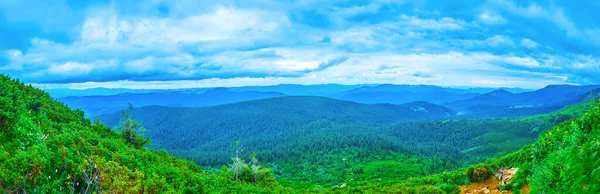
x=190, y=43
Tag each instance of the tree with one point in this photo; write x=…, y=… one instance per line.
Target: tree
x=238, y=163
x=131, y=130
x=254, y=167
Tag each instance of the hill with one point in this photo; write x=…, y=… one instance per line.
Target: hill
x=97, y=105
x=562, y=160
x=315, y=141
x=207, y=125
x=46, y=147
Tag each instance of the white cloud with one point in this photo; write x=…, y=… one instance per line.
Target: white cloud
x=491, y=18
x=220, y=24
x=70, y=68
x=528, y=43
x=498, y=40
x=553, y=14
x=446, y=69
x=229, y=41
x=444, y=23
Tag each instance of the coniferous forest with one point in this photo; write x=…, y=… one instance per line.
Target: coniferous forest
x=47, y=147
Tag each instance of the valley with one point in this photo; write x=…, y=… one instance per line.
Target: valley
x=294, y=97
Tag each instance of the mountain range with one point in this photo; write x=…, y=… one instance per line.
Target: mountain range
x=465, y=101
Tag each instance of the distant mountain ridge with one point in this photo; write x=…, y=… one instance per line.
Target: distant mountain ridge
x=492, y=103
x=503, y=103
x=400, y=94
x=96, y=105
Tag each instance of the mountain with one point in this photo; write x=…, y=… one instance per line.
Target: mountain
x=400, y=94
x=45, y=147
x=64, y=92
x=97, y=105
x=309, y=141
x=290, y=132
x=325, y=90
x=501, y=103
x=494, y=98
x=594, y=94
x=482, y=90
x=261, y=117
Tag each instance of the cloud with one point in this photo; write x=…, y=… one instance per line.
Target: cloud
x=444, y=23
x=529, y=43
x=69, y=68
x=498, y=40
x=491, y=18
x=187, y=43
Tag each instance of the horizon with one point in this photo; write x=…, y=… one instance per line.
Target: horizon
x=190, y=44
x=53, y=87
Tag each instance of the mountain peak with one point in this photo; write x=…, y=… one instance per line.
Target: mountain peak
x=500, y=92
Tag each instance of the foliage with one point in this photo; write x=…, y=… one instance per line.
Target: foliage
x=131, y=130
x=45, y=147
x=562, y=160
x=312, y=142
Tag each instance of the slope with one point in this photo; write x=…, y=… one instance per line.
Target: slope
x=562, y=160
x=46, y=147
x=295, y=134
x=206, y=125
x=315, y=140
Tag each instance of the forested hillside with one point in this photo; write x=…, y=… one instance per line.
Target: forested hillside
x=326, y=142
x=562, y=160
x=46, y=147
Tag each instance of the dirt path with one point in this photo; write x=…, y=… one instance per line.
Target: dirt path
x=492, y=184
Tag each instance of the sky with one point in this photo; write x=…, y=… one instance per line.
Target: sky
x=190, y=43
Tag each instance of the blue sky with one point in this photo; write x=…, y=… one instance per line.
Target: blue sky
x=189, y=43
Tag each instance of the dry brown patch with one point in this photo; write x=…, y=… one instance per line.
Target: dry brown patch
x=492, y=185
x=526, y=189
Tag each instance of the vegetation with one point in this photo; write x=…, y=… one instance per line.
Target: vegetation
x=562, y=160
x=312, y=142
x=46, y=147
x=323, y=146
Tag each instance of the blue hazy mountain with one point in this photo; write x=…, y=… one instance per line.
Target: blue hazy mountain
x=548, y=95
x=64, y=92
x=301, y=90
x=400, y=94
x=96, y=105
x=467, y=101
x=501, y=103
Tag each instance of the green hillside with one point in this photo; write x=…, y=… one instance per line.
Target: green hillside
x=315, y=142
x=47, y=148
x=562, y=160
